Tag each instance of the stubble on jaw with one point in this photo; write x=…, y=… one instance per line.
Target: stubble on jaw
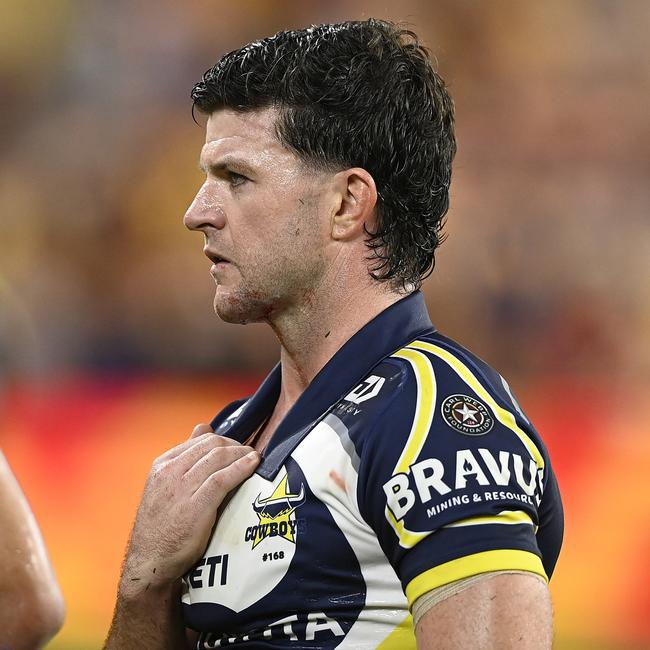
x=243, y=306
x=286, y=276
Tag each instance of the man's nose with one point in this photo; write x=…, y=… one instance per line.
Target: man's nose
x=205, y=211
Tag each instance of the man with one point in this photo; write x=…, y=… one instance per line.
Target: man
x=31, y=604
x=380, y=467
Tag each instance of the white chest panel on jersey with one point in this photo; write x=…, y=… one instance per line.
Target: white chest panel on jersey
x=259, y=540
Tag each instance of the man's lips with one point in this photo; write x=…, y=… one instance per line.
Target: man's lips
x=216, y=258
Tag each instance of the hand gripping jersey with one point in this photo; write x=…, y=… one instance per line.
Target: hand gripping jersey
x=407, y=464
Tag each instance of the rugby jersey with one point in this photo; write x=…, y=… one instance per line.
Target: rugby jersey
x=405, y=465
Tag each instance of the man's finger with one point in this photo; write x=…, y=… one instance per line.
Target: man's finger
x=199, y=447
x=219, y=483
x=200, y=429
x=213, y=461
x=179, y=449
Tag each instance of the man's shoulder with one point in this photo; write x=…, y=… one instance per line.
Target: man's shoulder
x=430, y=372
x=453, y=366
x=433, y=398
x=450, y=448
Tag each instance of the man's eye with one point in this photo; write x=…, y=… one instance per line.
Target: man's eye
x=236, y=179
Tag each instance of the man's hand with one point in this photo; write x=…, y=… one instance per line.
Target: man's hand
x=177, y=513
x=179, y=506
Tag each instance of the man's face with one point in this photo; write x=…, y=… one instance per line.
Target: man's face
x=264, y=217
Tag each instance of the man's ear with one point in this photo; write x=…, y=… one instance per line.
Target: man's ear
x=355, y=206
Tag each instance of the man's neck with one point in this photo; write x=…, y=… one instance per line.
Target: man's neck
x=313, y=332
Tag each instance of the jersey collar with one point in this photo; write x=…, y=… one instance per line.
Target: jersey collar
x=389, y=331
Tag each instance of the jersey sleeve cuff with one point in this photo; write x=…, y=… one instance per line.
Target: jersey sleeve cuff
x=471, y=565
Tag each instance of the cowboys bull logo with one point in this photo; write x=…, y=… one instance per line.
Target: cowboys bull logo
x=276, y=514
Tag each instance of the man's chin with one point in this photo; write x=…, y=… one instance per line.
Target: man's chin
x=232, y=307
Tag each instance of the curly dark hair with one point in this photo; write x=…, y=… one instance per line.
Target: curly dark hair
x=356, y=94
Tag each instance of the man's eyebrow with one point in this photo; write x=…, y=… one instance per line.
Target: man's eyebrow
x=231, y=163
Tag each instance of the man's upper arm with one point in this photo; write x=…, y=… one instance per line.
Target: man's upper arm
x=503, y=611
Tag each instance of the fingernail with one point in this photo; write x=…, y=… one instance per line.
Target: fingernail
x=253, y=455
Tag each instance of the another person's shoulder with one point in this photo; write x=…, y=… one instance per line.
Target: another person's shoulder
x=31, y=604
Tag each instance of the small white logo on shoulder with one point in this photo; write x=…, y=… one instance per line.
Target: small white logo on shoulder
x=366, y=390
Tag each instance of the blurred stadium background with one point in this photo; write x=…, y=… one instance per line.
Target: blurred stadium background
x=110, y=353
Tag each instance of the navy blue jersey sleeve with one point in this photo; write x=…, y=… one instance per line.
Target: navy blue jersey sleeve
x=452, y=476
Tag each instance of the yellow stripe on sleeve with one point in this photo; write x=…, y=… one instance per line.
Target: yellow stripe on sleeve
x=471, y=565
x=424, y=411
x=505, y=417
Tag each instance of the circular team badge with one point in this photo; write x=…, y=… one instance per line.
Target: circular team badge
x=467, y=415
